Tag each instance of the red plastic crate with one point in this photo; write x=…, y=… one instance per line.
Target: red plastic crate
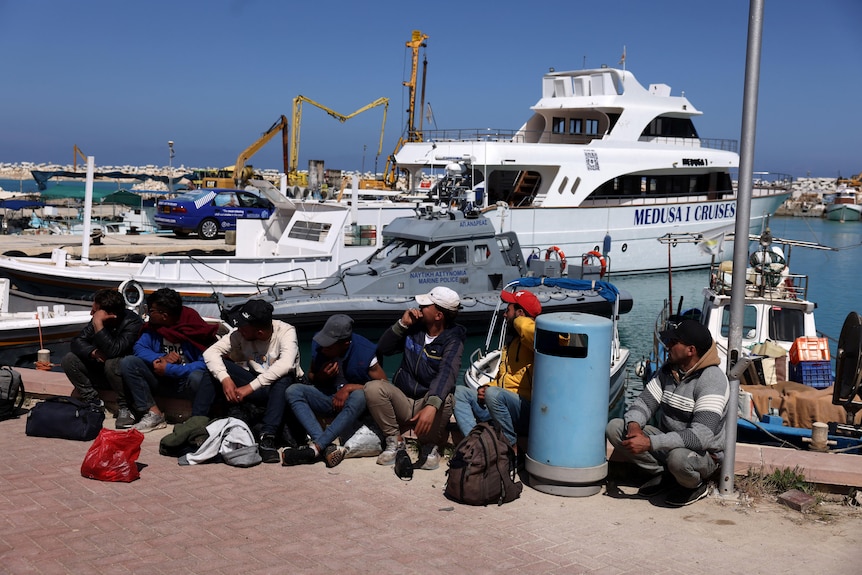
x=809, y=349
x=817, y=374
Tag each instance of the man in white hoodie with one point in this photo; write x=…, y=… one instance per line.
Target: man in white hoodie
x=262, y=361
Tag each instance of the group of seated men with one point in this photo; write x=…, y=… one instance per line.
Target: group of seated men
x=176, y=351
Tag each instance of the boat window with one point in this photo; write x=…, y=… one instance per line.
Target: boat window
x=558, y=126
x=407, y=253
x=563, y=184
x=481, y=253
x=786, y=324
x=310, y=231
x=749, y=322
x=576, y=126
x=592, y=127
x=670, y=127
x=713, y=185
x=449, y=255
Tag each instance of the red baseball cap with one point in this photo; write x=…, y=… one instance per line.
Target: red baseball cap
x=526, y=299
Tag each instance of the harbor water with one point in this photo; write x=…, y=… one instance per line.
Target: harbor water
x=831, y=285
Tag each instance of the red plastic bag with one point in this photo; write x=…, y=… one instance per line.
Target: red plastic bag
x=113, y=455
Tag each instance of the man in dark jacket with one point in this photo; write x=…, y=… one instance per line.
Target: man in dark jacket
x=94, y=359
x=420, y=394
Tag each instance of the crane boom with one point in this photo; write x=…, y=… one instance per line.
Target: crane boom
x=76, y=151
x=280, y=124
x=390, y=173
x=293, y=157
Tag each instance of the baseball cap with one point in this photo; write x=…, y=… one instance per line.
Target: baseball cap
x=440, y=296
x=524, y=298
x=689, y=332
x=337, y=328
x=252, y=311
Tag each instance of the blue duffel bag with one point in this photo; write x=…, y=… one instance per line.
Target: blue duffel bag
x=65, y=418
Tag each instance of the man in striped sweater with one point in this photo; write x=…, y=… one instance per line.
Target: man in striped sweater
x=689, y=397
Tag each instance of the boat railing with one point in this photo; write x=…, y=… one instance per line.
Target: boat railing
x=768, y=283
x=545, y=137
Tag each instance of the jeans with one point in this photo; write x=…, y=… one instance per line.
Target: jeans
x=142, y=382
x=689, y=468
x=272, y=396
x=87, y=375
x=306, y=401
x=507, y=408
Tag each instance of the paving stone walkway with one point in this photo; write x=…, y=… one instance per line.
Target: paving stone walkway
x=360, y=518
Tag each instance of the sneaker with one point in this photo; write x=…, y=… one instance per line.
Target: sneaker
x=658, y=484
x=268, y=450
x=298, y=456
x=387, y=457
x=151, y=421
x=333, y=455
x=683, y=496
x=125, y=419
x=429, y=457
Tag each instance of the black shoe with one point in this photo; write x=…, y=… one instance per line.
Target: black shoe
x=658, y=484
x=333, y=455
x=267, y=449
x=403, y=465
x=299, y=456
x=682, y=496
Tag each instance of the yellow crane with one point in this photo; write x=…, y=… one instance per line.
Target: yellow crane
x=240, y=174
x=417, y=40
x=294, y=178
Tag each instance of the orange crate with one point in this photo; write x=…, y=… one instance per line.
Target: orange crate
x=809, y=349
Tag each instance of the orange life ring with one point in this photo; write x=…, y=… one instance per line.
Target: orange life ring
x=594, y=254
x=560, y=254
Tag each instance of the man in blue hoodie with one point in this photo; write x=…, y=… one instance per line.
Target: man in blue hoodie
x=420, y=394
x=168, y=356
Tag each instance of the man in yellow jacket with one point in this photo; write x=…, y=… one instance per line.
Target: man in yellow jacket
x=507, y=400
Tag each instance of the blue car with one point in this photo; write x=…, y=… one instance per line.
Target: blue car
x=209, y=212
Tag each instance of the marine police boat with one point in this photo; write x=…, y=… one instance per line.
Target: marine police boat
x=435, y=247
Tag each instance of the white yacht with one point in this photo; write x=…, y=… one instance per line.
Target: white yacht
x=603, y=164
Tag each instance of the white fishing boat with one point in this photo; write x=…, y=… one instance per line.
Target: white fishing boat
x=601, y=157
x=777, y=398
x=300, y=244
x=844, y=207
x=24, y=333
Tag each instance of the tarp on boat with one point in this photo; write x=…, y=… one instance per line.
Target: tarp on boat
x=123, y=197
x=607, y=290
x=18, y=204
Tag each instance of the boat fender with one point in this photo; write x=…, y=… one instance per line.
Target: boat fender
x=602, y=261
x=560, y=254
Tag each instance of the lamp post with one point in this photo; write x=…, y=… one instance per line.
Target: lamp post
x=171, y=166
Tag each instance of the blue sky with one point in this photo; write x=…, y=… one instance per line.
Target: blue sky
x=120, y=79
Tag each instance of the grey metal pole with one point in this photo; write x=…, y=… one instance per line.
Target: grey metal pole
x=740, y=245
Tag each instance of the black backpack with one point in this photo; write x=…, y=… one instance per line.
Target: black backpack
x=482, y=469
x=11, y=392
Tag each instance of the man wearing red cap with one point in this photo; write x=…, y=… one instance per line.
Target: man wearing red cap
x=507, y=400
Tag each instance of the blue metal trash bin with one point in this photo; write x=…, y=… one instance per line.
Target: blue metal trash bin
x=566, y=452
